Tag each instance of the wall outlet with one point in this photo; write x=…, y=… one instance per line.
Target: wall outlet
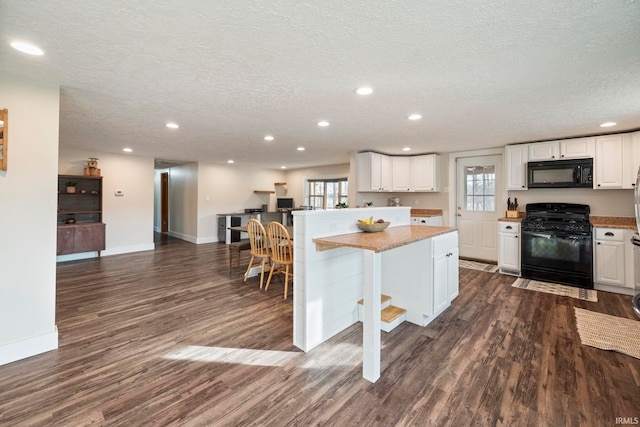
x=416, y=202
x=119, y=193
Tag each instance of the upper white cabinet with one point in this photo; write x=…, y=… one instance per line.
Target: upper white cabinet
x=425, y=172
x=373, y=172
x=516, y=158
x=544, y=151
x=576, y=148
x=631, y=159
x=401, y=173
x=378, y=172
x=608, y=162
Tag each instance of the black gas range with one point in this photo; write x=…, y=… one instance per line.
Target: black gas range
x=557, y=244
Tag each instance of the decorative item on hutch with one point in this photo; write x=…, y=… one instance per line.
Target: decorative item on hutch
x=92, y=167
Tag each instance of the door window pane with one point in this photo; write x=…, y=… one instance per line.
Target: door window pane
x=480, y=188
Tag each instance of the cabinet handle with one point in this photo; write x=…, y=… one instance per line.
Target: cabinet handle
x=553, y=157
x=523, y=186
x=562, y=155
x=515, y=237
x=598, y=185
x=608, y=233
x=598, y=243
x=508, y=227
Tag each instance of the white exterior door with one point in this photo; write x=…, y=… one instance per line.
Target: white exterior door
x=478, y=182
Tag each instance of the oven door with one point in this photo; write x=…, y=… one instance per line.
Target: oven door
x=558, y=256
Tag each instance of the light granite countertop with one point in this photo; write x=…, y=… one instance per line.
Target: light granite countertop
x=392, y=237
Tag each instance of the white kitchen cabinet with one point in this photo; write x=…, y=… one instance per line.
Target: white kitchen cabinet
x=608, y=162
x=575, y=148
x=516, y=158
x=609, y=256
x=445, y=271
x=631, y=159
x=549, y=150
x=401, y=173
x=373, y=172
x=425, y=173
x=509, y=247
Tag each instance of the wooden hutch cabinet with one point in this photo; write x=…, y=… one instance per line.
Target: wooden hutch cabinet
x=80, y=226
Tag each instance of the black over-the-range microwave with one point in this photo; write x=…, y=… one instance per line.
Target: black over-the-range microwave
x=567, y=173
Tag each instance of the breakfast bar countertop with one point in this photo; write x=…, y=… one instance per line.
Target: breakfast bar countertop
x=392, y=237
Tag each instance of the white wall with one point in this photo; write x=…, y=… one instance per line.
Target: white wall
x=602, y=202
x=28, y=220
x=183, y=199
x=296, y=180
x=224, y=188
x=128, y=219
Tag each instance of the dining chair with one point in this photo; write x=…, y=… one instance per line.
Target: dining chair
x=259, y=248
x=281, y=254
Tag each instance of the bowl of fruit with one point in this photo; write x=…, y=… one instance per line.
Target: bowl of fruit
x=371, y=226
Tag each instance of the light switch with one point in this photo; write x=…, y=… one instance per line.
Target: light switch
x=119, y=193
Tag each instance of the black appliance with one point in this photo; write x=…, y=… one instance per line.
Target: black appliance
x=560, y=174
x=222, y=228
x=253, y=210
x=284, y=203
x=557, y=244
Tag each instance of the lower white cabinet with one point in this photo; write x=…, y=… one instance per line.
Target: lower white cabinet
x=509, y=247
x=613, y=258
x=428, y=289
x=445, y=271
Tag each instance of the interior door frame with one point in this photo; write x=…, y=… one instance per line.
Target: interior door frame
x=164, y=202
x=501, y=193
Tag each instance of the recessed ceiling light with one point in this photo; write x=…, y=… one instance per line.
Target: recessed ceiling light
x=608, y=124
x=300, y=148
x=127, y=150
x=415, y=117
x=283, y=167
x=172, y=125
x=268, y=138
x=27, y=48
x=230, y=161
x=323, y=123
x=365, y=90
x=406, y=149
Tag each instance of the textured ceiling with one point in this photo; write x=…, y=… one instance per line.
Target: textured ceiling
x=482, y=74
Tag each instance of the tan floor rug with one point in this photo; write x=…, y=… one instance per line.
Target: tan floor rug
x=608, y=332
x=474, y=265
x=554, y=288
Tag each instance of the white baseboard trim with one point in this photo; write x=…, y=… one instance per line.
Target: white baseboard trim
x=107, y=252
x=29, y=347
x=201, y=240
x=184, y=237
x=129, y=249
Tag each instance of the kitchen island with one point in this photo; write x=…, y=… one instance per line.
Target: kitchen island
x=335, y=266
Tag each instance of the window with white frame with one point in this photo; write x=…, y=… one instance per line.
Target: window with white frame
x=327, y=193
x=480, y=188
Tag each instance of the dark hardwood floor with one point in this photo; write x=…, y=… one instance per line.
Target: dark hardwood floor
x=173, y=337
